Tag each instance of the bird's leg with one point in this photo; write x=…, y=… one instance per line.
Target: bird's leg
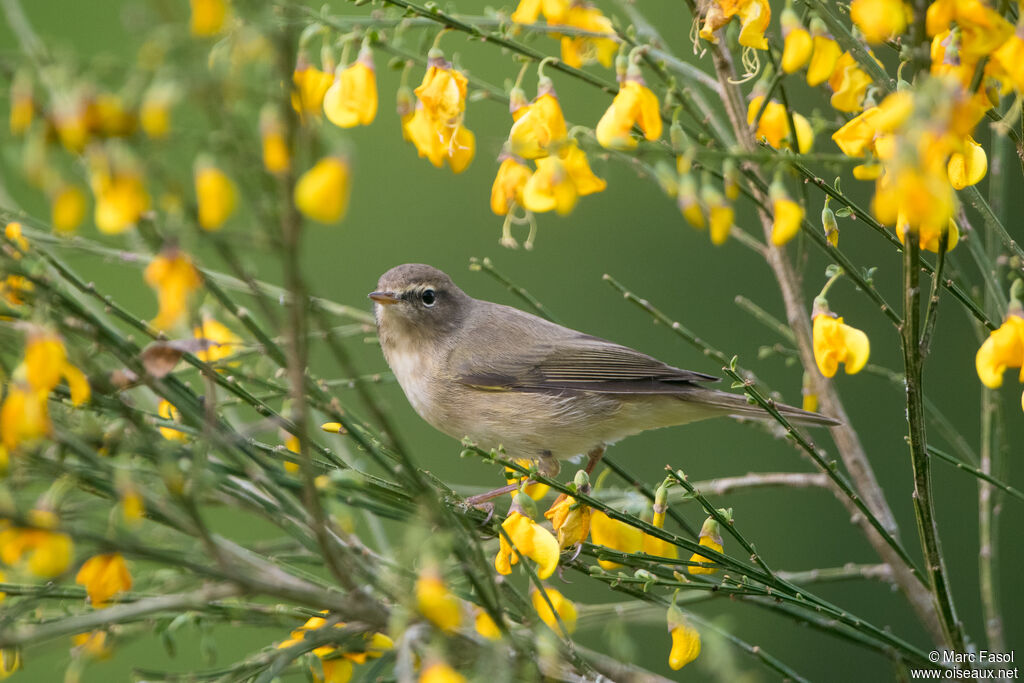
x=479, y=499
x=594, y=457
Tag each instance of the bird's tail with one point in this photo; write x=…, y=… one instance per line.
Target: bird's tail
x=736, y=405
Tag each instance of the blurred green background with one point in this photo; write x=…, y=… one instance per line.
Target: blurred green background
x=404, y=210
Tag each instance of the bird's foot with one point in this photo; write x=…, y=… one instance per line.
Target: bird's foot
x=594, y=457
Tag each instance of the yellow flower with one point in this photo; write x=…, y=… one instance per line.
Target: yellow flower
x=720, y=215
x=575, y=160
x=824, y=56
x=849, y=84
x=1003, y=349
x=550, y=187
x=773, y=125
x=508, y=189
x=634, y=105
x=322, y=192
x=133, y=508
x=578, y=51
x=439, y=672
x=797, y=44
x=174, y=278
x=46, y=553
x=564, y=608
x=710, y=537
x=23, y=416
x=878, y=20
x=352, y=98
x=788, y=216
x=46, y=362
x=155, y=110
x=121, y=199
x=570, y=519
x=208, y=17
x=67, y=208
x=836, y=342
x=968, y=166
x=755, y=15
x=689, y=203
x=108, y=116
x=929, y=235
x=23, y=105
x=435, y=601
x=656, y=546
x=528, y=10
x=539, y=128
x=685, y=640
x=528, y=539
x=216, y=196
x=168, y=412
x=435, y=126
x=311, y=85
x=614, y=534
x=93, y=644
x=223, y=342
x=338, y=670
x=335, y=671
x=1009, y=59
x=274, y=146
x=103, y=576
x=10, y=661
x=483, y=623
x=534, y=490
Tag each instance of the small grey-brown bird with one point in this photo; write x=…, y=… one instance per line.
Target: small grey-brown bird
x=544, y=392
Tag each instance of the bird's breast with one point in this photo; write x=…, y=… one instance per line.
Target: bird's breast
x=413, y=369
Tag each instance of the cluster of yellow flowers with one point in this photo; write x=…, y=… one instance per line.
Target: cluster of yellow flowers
x=336, y=666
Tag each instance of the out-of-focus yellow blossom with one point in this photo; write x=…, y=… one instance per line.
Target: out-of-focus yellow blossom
x=121, y=197
x=92, y=644
x=483, y=623
x=578, y=51
x=46, y=363
x=352, y=98
x=528, y=11
x=10, y=661
x=797, y=43
x=788, y=215
x=1009, y=59
x=223, y=342
x=879, y=20
x=614, y=534
x=103, y=576
x=720, y=214
x=311, y=85
x=23, y=415
x=967, y=167
x=689, y=202
x=773, y=125
x=982, y=29
x=322, y=192
x=1003, y=349
x=928, y=235
x=436, y=602
x=133, y=508
x=292, y=444
x=439, y=672
x=174, y=278
x=570, y=519
x=685, y=640
x=45, y=553
x=12, y=231
x=710, y=537
x=836, y=342
x=276, y=157
x=435, y=126
x=155, y=110
x=67, y=208
x=23, y=105
x=534, y=490
x=564, y=608
x=168, y=412
x=216, y=196
x=508, y=190
x=529, y=539
x=824, y=56
x=539, y=128
x=849, y=84
x=338, y=669
x=70, y=119
x=208, y=17
x=925, y=199
x=755, y=15
x=634, y=105
x=107, y=115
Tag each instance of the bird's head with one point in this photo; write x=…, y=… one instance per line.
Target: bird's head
x=419, y=299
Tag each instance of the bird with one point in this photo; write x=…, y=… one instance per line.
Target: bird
x=504, y=378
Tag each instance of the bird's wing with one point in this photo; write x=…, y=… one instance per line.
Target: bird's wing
x=556, y=359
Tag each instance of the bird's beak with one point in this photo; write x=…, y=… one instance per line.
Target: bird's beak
x=386, y=298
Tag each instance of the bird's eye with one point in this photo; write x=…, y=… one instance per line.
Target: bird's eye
x=428, y=297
